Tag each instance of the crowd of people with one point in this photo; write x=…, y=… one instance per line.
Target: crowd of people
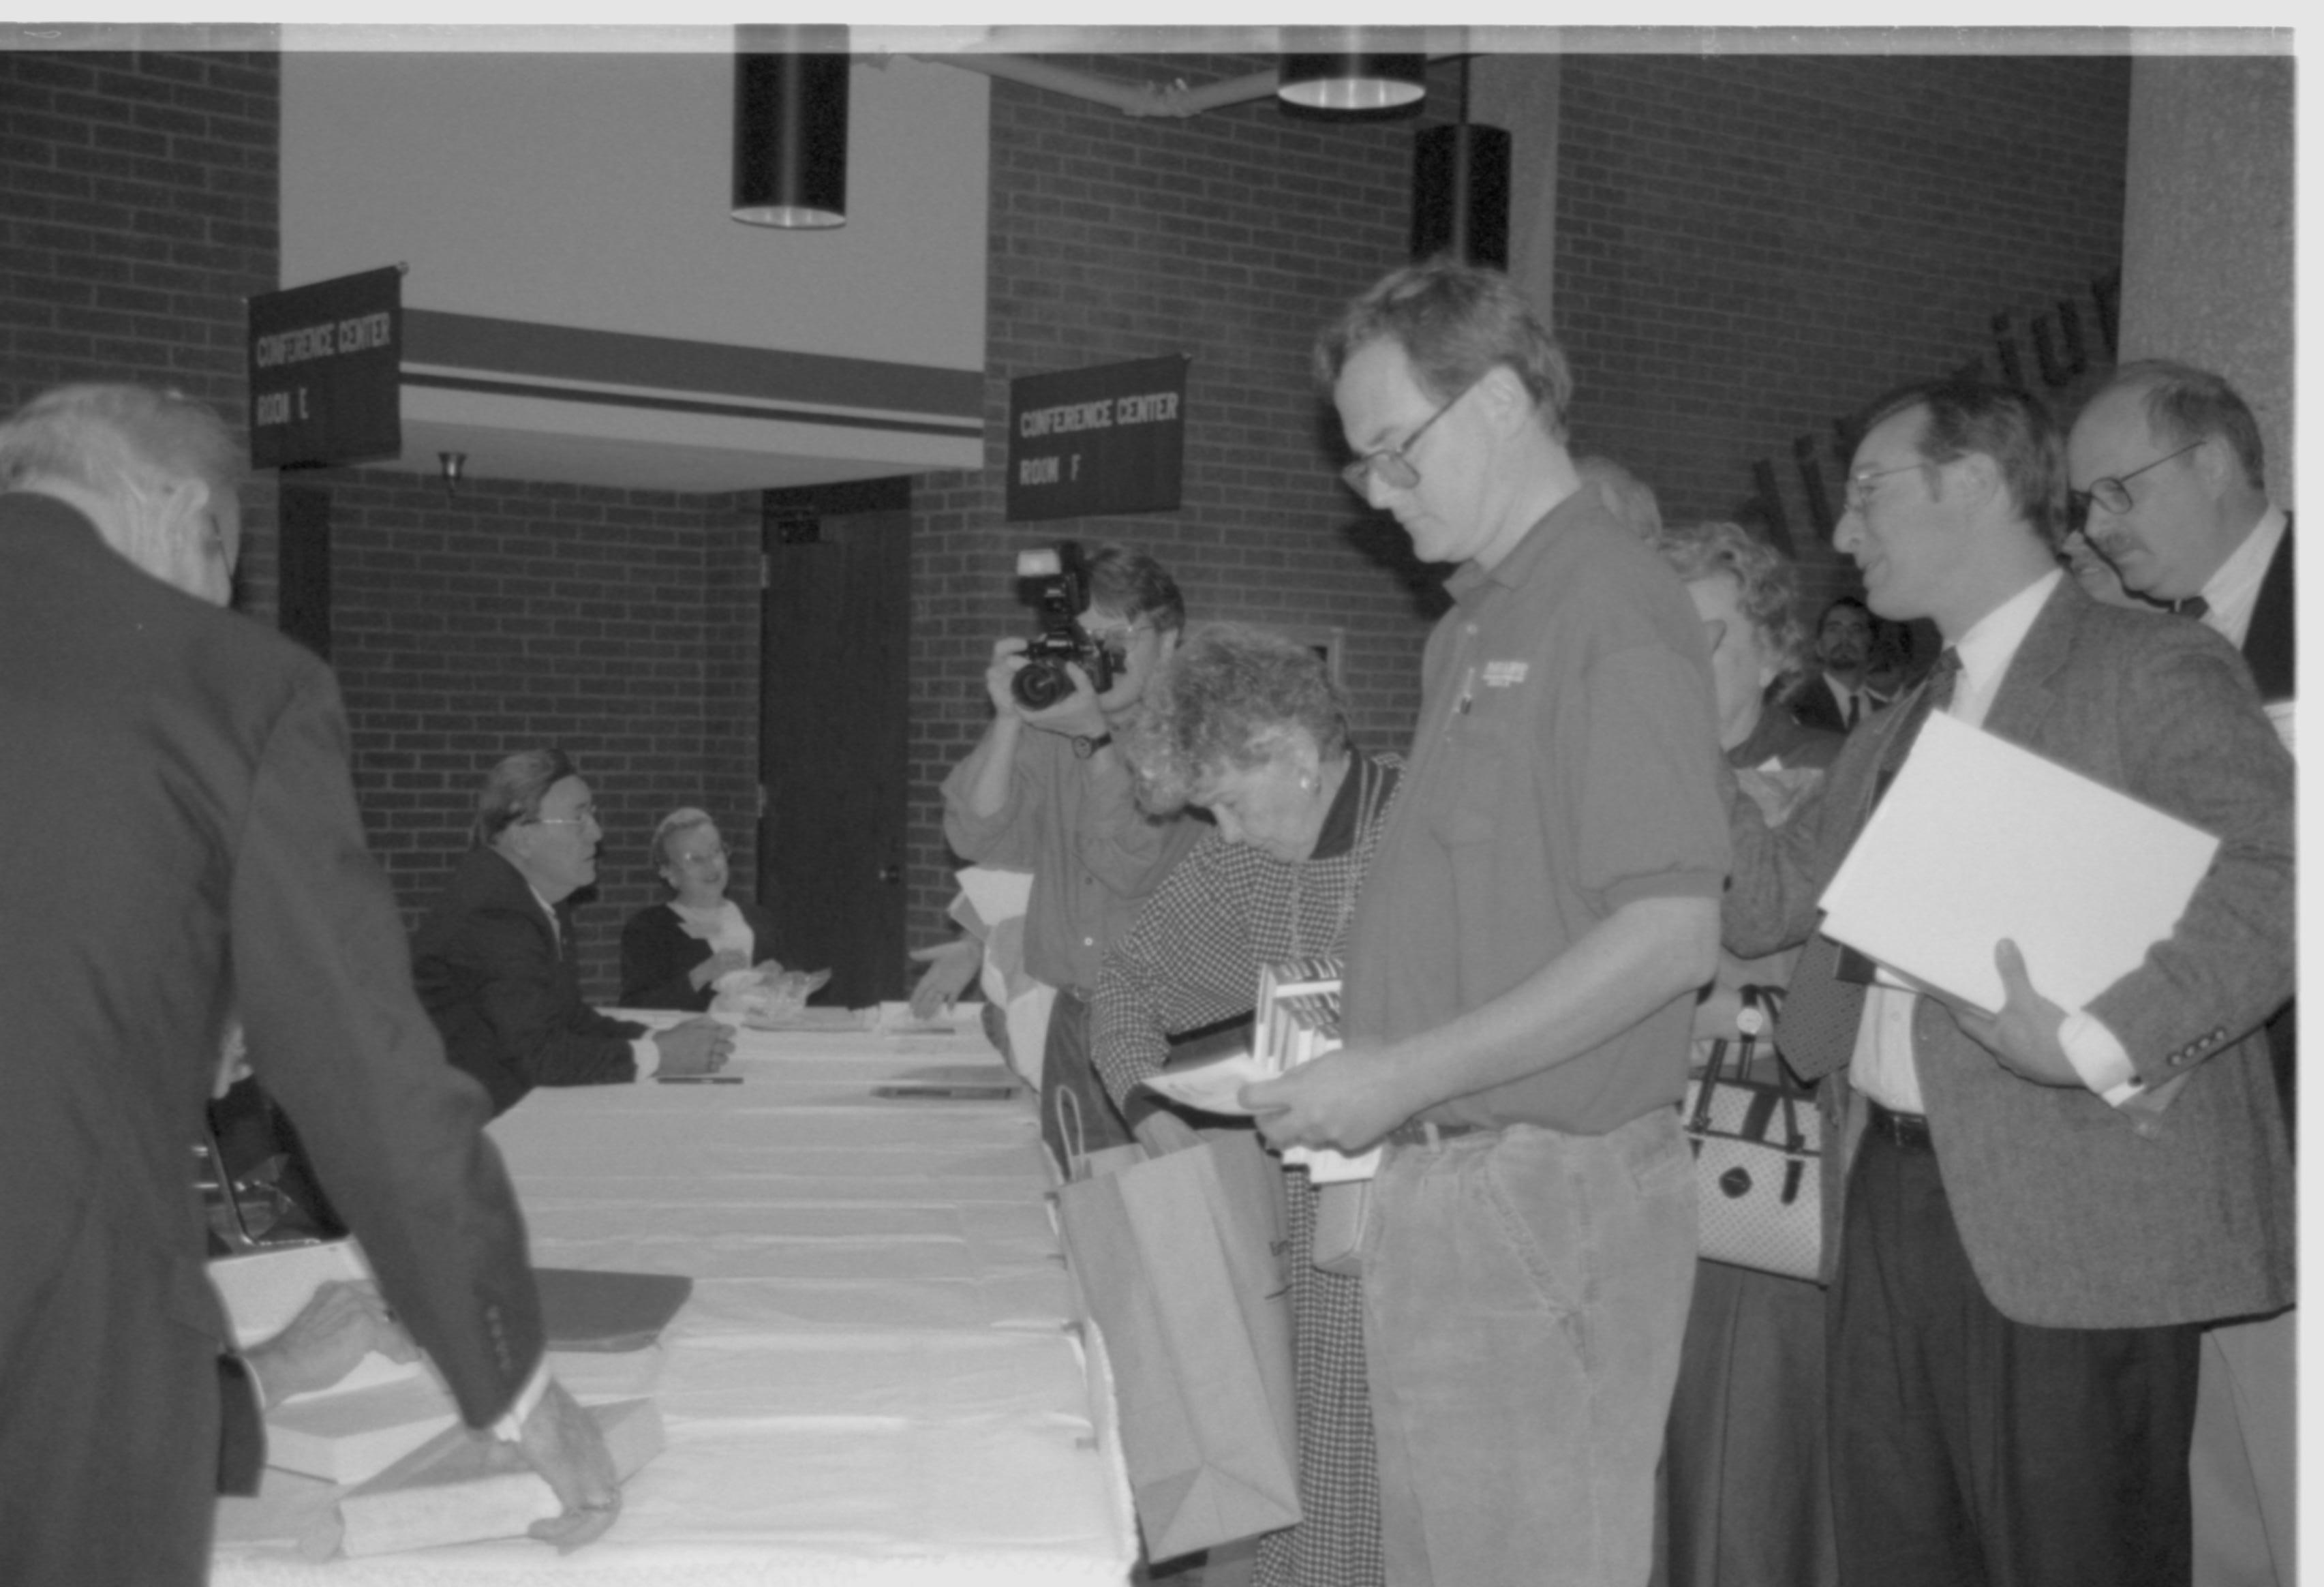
x=2050, y=1341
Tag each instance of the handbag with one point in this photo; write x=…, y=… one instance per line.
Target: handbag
x=1179, y=1261
x=1757, y=1159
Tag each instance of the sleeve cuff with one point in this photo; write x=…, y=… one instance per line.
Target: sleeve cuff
x=647, y=1055
x=2099, y=1059
x=510, y=1428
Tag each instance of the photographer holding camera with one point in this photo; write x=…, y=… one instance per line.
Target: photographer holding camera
x=1046, y=791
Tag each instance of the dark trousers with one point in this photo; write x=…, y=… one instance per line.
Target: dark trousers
x=1971, y=1451
x=108, y=1429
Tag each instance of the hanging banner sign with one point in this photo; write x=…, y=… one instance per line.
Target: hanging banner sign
x=325, y=372
x=1088, y=441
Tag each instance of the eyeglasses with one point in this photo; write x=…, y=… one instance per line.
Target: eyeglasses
x=1859, y=497
x=584, y=816
x=1392, y=466
x=2111, y=494
x=707, y=857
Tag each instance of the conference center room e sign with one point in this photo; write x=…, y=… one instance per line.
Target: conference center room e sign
x=325, y=372
x=1089, y=442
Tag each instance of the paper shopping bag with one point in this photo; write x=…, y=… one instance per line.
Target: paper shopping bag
x=1183, y=1277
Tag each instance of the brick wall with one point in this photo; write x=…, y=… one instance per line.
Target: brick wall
x=1231, y=237
x=137, y=210
x=139, y=197
x=1752, y=246
x=620, y=625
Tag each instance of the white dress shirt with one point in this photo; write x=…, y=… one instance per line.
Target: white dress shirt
x=1883, y=1064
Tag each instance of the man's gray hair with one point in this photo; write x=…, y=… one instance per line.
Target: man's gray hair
x=1455, y=322
x=515, y=788
x=117, y=439
x=2185, y=404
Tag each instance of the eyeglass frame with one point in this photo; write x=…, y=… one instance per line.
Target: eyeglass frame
x=2078, y=502
x=721, y=853
x=1855, y=496
x=1377, y=463
x=588, y=813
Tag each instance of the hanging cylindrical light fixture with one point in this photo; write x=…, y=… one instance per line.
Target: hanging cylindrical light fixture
x=1347, y=70
x=790, y=125
x=1461, y=189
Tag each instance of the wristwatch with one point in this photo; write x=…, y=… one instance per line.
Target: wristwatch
x=1751, y=1019
x=1085, y=747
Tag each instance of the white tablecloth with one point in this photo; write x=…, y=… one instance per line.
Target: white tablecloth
x=875, y=1380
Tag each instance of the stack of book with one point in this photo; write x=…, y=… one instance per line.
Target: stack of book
x=1298, y=1018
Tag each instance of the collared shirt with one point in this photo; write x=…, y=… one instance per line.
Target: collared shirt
x=2233, y=589
x=1854, y=704
x=1883, y=1066
x=1566, y=764
x=1095, y=857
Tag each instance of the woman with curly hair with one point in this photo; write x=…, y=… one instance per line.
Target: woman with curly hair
x=1251, y=727
x=1743, y=1460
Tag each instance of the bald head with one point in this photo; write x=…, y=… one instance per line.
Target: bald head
x=157, y=473
x=2166, y=463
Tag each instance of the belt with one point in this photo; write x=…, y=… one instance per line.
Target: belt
x=1910, y=1130
x=1417, y=1132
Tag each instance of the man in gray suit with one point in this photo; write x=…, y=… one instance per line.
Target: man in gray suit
x=185, y=841
x=2036, y=1208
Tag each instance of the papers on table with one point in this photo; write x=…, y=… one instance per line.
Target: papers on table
x=1978, y=839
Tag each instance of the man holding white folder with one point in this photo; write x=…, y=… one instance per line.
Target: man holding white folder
x=2032, y=1209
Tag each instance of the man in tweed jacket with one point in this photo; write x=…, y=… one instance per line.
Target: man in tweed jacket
x=2040, y=1205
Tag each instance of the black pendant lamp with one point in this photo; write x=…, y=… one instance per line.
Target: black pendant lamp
x=1345, y=69
x=790, y=125
x=1461, y=189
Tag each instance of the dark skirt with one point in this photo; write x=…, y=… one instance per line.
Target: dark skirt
x=1746, y=1499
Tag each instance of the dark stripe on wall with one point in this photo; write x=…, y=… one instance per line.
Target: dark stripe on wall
x=562, y=352
x=510, y=388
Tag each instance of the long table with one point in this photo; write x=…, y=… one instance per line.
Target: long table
x=878, y=1378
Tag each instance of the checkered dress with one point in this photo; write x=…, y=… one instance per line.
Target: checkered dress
x=1193, y=960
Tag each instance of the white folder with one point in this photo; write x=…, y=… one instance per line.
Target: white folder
x=1978, y=839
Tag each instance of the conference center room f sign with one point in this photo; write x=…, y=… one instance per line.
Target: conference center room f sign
x=325, y=372
x=1108, y=439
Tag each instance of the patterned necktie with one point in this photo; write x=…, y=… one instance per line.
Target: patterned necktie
x=1817, y=1030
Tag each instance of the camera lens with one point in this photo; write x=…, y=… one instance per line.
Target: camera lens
x=1040, y=683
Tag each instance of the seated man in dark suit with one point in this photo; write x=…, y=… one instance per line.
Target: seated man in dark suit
x=1839, y=695
x=175, y=776
x=494, y=960
x=2167, y=465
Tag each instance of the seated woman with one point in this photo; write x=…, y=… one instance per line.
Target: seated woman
x=674, y=953
x=1252, y=727
x=1743, y=1463
x=494, y=961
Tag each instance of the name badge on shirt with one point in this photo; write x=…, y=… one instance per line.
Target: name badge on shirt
x=1504, y=674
